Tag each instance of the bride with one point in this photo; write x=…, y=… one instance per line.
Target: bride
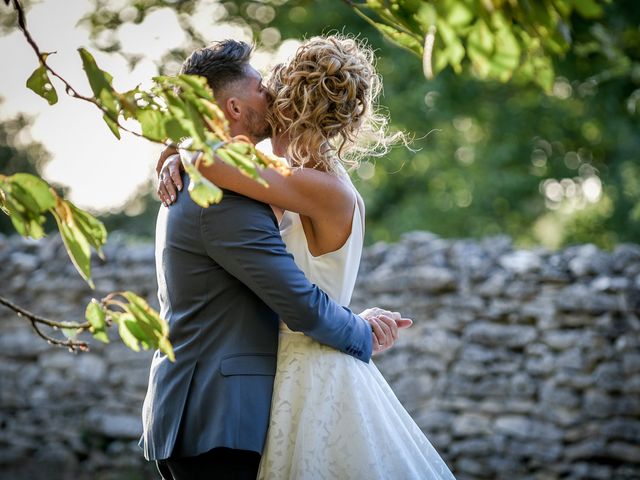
x=332, y=416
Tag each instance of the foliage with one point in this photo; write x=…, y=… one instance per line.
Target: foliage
x=26, y=198
x=175, y=107
x=138, y=324
x=493, y=39
x=488, y=152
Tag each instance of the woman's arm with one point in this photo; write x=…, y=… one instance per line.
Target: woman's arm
x=306, y=191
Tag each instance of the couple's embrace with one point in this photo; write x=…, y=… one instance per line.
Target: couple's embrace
x=272, y=377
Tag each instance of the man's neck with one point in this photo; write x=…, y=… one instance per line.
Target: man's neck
x=236, y=129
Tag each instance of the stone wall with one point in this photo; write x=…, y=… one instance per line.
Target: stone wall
x=521, y=363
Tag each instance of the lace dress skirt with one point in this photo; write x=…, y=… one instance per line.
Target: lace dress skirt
x=335, y=417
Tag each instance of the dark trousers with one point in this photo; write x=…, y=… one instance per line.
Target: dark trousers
x=216, y=464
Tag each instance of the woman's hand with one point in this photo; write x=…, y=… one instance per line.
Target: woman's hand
x=384, y=327
x=169, y=179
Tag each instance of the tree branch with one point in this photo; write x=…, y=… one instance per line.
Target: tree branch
x=42, y=57
x=37, y=320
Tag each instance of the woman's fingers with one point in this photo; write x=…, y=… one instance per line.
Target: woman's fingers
x=174, y=173
x=170, y=181
x=380, y=339
x=390, y=327
x=404, y=322
x=384, y=326
x=169, y=187
x=162, y=193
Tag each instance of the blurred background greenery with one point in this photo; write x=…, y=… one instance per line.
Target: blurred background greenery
x=552, y=167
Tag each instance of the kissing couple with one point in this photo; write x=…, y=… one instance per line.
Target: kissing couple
x=273, y=377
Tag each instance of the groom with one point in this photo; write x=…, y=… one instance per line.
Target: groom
x=224, y=281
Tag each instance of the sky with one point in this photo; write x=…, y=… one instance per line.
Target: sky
x=102, y=172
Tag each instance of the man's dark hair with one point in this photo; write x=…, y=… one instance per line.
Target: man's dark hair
x=221, y=63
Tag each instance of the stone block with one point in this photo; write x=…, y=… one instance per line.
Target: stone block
x=631, y=363
x=580, y=298
x=481, y=446
x=22, y=343
x=608, y=376
x=586, y=449
x=622, y=429
x=623, y=451
x=471, y=467
x=493, y=334
x=113, y=424
x=471, y=424
x=521, y=261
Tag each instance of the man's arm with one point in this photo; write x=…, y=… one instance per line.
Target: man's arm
x=242, y=236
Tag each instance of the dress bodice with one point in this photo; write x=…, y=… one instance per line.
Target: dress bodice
x=334, y=272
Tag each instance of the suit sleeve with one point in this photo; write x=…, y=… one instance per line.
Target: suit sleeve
x=242, y=236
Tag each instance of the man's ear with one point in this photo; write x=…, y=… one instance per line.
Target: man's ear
x=233, y=108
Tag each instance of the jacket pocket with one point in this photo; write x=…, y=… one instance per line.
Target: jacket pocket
x=248, y=364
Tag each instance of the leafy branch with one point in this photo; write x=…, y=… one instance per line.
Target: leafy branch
x=174, y=108
x=138, y=324
x=493, y=40
x=37, y=321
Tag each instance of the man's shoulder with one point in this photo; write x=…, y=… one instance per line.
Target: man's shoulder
x=236, y=210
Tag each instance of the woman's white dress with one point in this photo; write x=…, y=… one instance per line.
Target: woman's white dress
x=333, y=416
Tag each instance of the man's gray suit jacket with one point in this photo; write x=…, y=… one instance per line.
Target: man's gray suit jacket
x=224, y=280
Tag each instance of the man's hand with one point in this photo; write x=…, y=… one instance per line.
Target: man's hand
x=384, y=327
x=169, y=181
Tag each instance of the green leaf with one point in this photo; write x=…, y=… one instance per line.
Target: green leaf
x=544, y=73
x=141, y=309
x=459, y=15
x=96, y=316
x=188, y=117
x=70, y=333
x=141, y=331
x=75, y=241
x=23, y=209
x=101, y=336
x=202, y=191
x=128, y=338
x=452, y=52
x=588, y=8
x=40, y=83
x=92, y=228
x=164, y=345
x=100, y=82
x=427, y=15
x=480, y=48
x=507, y=54
x=241, y=159
x=175, y=131
x=37, y=188
x=403, y=39
x=145, y=324
x=198, y=135
x=25, y=225
x=24, y=197
x=14, y=210
x=198, y=84
x=113, y=126
x=152, y=123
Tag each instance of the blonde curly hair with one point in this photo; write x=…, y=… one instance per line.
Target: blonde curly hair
x=324, y=101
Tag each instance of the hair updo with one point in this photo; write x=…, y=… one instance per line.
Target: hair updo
x=324, y=102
